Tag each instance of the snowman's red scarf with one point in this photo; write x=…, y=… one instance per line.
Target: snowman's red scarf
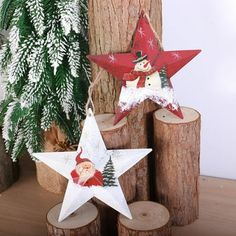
x=142, y=76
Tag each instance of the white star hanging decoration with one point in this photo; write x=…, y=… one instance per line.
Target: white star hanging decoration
x=92, y=170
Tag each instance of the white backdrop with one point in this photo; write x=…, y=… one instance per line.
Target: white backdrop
x=208, y=82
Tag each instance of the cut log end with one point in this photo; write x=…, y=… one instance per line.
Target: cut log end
x=84, y=221
x=149, y=218
x=105, y=122
x=189, y=115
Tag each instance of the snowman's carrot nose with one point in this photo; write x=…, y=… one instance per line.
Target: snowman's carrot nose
x=146, y=64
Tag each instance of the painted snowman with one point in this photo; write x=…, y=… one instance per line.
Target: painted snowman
x=143, y=75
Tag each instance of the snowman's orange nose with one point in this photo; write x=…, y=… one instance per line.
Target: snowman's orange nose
x=146, y=64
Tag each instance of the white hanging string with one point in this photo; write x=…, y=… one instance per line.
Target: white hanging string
x=155, y=33
x=90, y=103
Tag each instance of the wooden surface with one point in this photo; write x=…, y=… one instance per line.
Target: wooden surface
x=149, y=219
x=177, y=153
x=111, y=27
x=23, y=207
x=84, y=221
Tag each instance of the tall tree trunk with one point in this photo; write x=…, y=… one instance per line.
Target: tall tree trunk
x=111, y=26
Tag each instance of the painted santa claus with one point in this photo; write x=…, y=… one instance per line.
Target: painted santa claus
x=143, y=74
x=85, y=172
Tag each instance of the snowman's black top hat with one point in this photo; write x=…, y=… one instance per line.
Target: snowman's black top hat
x=140, y=57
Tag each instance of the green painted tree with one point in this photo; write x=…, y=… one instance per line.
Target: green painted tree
x=46, y=70
x=108, y=174
x=163, y=76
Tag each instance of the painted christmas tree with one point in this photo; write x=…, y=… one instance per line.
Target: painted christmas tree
x=46, y=70
x=163, y=76
x=108, y=174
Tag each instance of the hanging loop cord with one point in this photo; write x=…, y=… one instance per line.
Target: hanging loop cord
x=90, y=103
x=155, y=33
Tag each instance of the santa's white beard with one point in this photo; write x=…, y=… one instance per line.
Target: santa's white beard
x=85, y=175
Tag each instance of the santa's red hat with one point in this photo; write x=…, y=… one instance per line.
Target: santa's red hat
x=79, y=159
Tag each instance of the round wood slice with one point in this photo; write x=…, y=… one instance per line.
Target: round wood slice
x=84, y=221
x=49, y=179
x=149, y=219
x=177, y=153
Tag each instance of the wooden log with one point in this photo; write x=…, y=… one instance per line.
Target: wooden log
x=83, y=222
x=177, y=151
x=9, y=171
x=54, y=140
x=111, y=26
x=49, y=179
x=149, y=219
x=108, y=218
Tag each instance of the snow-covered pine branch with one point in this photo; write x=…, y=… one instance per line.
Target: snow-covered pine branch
x=74, y=58
x=5, y=57
x=64, y=91
x=19, y=64
x=69, y=16
x=35, y=7
x=18, y=145
x=49, y=113
x=36, y=61
x=56, y=44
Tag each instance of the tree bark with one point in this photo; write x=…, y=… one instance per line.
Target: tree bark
x=84, y=221
x=149, y=219
x=111, y=26
x=177, y=151
x=49, y=179
x=9, y=171
x=54, y=141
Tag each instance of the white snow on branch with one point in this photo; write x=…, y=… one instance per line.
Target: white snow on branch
x=37, y=15
x=65, y=94
x=74, y=58
x=14, y=38
x=7, y=124
x=35, y=61
x=56, y=44
x=18, y=65
x=69, y=16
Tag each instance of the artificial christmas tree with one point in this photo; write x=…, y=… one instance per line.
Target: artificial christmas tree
x=47, y=70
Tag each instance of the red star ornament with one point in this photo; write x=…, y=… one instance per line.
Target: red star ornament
x=145, y=71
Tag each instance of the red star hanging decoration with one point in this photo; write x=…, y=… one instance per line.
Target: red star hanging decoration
x=145, y=71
